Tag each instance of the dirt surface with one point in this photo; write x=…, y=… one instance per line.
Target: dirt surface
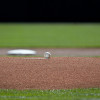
x=54, y=73
x=64, y=52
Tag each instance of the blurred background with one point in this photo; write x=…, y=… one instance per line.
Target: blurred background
x=65, y=28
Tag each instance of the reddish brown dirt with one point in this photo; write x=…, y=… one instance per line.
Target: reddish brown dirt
x=55, y=73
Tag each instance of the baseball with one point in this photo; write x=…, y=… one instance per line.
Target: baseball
x=47, y=55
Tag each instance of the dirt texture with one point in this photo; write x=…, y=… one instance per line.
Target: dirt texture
x=53, y=73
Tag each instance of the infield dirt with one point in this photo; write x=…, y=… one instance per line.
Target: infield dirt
x=54, y=73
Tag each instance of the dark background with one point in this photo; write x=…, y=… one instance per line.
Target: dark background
x=50, y=11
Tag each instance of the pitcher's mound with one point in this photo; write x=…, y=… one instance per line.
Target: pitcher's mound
x=54, y=73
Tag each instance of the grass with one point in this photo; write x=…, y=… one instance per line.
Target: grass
x=70, y=94
x=49, y=35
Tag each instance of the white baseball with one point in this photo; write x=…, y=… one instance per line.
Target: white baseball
x=47, y=55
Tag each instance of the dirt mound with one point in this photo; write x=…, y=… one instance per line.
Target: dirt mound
x=55, y=73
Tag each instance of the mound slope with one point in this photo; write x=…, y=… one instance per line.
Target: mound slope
x=55, y=73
